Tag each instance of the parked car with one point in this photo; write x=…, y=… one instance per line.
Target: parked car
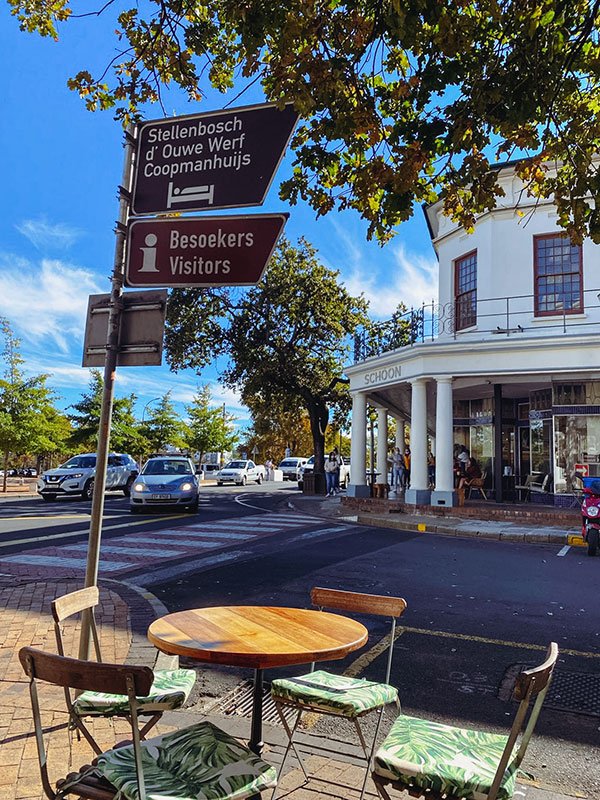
x=291, y=468
x=76, y=476
x=165, y=481
x=240, y=472
x=344, y=472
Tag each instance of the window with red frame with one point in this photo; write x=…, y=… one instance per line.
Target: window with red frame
x=465, y=290
x=558, y=275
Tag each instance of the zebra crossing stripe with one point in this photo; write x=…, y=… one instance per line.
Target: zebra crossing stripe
x=201, y=534
x=227, y=529
x=197, y=543
x=70, y=563
x=118, y=549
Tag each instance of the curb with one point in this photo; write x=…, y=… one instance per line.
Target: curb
x=533, y=537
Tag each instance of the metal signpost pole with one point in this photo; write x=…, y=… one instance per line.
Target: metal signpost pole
x=110, y=366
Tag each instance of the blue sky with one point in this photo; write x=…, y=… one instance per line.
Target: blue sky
x=60, y=168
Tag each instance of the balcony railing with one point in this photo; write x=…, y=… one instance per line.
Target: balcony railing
x=497, y=316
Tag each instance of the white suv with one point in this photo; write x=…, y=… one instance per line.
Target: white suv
x=76, y=477
x=292, y=468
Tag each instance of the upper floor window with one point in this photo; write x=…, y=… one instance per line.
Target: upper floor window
x=465, y=290
x=558, y=275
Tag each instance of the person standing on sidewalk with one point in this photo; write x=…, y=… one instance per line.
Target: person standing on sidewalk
x=397, y=469
x=331, y=469
x=339, y=462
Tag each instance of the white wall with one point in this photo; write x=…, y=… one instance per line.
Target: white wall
x=503, y=240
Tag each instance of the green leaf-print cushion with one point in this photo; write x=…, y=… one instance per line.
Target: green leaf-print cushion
x=170, y=689
x=201, y=762
x=336, y=694
x=442, y=758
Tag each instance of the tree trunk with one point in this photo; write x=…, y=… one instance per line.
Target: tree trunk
x=319, y=416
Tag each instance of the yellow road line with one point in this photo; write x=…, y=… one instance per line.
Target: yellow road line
x=76, y=533
x=500, y=642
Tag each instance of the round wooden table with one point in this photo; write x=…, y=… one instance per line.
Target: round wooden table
x=258, y=637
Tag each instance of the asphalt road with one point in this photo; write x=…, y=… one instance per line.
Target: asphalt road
x=477, y=610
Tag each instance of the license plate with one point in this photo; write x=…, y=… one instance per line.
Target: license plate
x=161, y=497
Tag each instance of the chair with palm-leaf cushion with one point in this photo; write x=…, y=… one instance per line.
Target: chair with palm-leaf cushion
x=338, y=695
x=200, y=761
x=169, y=691
x=444, y=761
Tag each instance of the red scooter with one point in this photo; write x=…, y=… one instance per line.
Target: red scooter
x=590, y=517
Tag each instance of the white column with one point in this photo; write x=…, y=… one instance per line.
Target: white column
x=400, y=434
x=358, y=452
x=382, y=437
x=444, y=459
x=418, y=493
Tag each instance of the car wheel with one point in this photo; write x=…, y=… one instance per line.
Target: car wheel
x=592, y=541
x=219, y=483
x=88, y=490
x=128, y=485
x=300, y=485
x=243, y=481
x=259, y=480
x=48, y=498
x=193, y=509
x=134, y=510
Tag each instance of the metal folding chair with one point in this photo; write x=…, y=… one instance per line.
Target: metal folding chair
x=169, y=690
x=323, y=692
x=442, y=762
x=198, y=761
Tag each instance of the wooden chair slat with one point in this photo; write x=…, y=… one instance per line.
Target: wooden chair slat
x=358, y=602
x=90, y=675
x=74, y=603
x=536, y=678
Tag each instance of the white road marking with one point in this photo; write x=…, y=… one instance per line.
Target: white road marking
x=123, y=550
x=564, y=550
x=71, y=563
x=197, y=543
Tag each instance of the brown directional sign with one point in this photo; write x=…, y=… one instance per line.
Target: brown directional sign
x=220, y=159
x=201, y=251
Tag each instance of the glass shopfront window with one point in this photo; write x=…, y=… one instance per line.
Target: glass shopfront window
x=482, y=446
x=576, y=441
x=541, y=446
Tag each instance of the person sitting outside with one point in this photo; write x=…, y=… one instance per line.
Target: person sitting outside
x=331, y=468
x=472, y=472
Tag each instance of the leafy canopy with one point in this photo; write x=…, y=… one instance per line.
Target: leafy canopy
x=29, y=421
x=399, y=99
x=210, y=429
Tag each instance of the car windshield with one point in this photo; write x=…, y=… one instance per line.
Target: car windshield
x=236, y=465
x=289, y=462
x=311, y=460
x=80, y=462
x=165, y=466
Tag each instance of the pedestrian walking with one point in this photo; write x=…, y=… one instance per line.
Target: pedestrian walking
x=269, y=467
x=397, y=468
x=331, y=467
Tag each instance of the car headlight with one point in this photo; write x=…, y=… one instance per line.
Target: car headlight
x=186, y=487
x=76, y=475
x=139, y=487
x=592, y=511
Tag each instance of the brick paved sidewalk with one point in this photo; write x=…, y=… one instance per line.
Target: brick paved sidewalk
x=124, y=614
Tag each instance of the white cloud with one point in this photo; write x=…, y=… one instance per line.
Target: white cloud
x=46, y=301
x=384, y=276
x=47, y=236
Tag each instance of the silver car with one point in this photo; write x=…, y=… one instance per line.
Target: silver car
x=165, y=481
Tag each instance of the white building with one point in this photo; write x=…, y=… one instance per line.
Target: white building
x=507, y=363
